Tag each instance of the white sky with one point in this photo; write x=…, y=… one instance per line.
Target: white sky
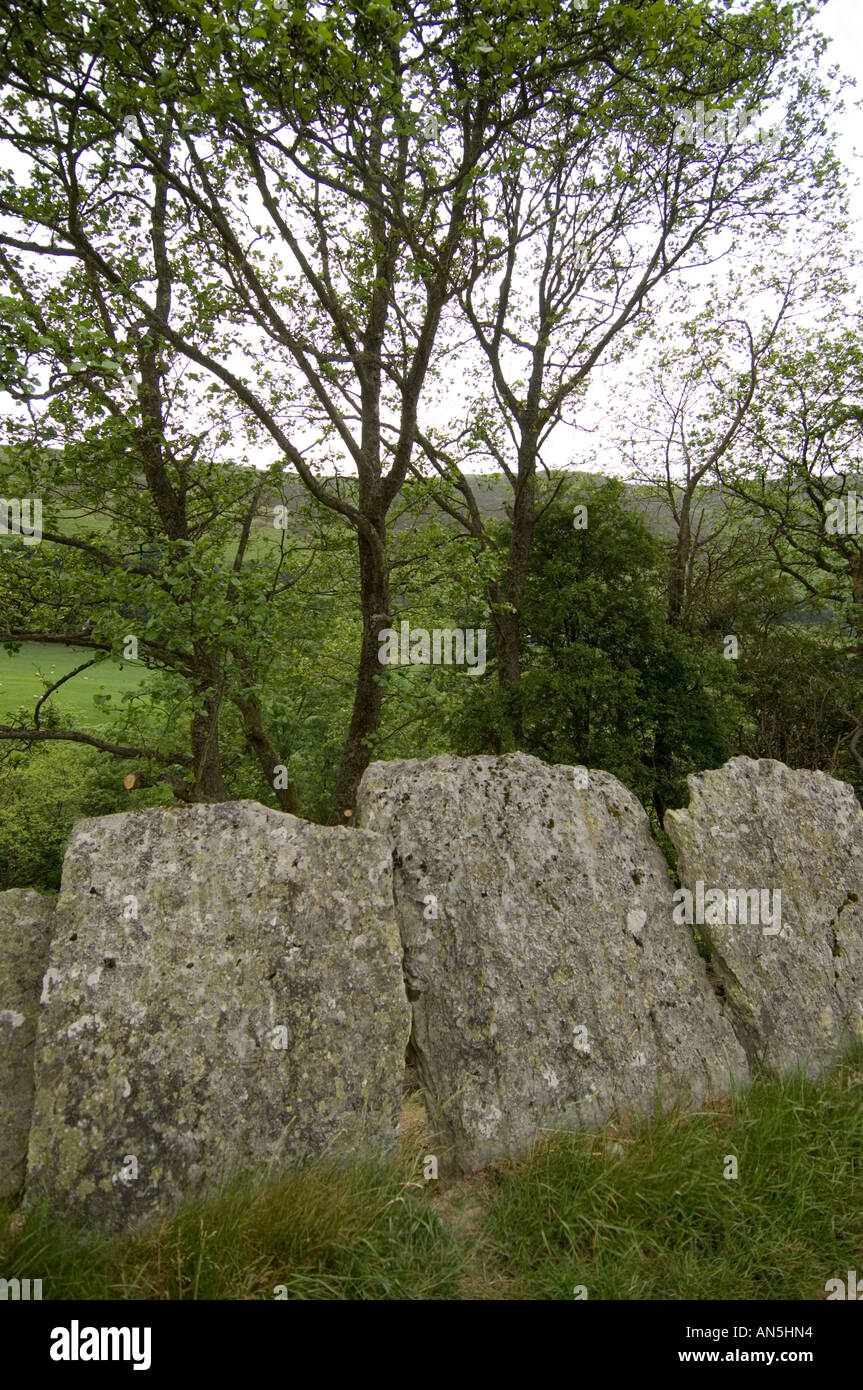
x=842, y=21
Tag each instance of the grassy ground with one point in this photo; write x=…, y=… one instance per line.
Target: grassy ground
x=636, y=1212
x=21, y=680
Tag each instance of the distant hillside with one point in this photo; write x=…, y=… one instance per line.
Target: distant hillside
x=493, y=494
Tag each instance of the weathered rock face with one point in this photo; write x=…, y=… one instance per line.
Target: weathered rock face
x=793, y=977
x=26, y=924
x=549, y=983
x=224, y=990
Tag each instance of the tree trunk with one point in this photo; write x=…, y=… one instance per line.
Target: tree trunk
x=368, y=698
x=679, y=565
x=507, y=624
x=207, y=768
x=662, y=766
x=507, y=637
x=259, y=742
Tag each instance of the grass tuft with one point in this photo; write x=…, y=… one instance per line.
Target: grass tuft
x=639, y=1211
x=661, y=1221
x=324, y=1231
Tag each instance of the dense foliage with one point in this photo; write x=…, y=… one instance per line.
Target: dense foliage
x=278, y=284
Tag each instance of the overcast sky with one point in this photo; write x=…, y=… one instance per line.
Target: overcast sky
x=609, y=394
x=842, y=21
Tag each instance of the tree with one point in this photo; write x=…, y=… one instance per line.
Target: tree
x=797, y=467
x=340, y=286
x=602, y=670
x=113, y=581
x=695, y=397
x=598, y=204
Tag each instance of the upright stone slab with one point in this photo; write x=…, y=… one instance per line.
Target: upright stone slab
x=26, y=923
x=224, y=991
x=549, y=983
x=794, y=982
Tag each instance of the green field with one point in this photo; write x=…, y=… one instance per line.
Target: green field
x=23, y=676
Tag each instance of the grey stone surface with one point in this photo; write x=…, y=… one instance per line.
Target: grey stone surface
x=26, y=924
x=795, y=995
x=224, y=991
x=549, y=983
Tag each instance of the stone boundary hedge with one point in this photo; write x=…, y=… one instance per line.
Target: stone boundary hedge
x=226, y=986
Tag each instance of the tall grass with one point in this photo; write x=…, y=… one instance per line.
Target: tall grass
x=326, y=1231
x=661, y=1221
x=637, y=1212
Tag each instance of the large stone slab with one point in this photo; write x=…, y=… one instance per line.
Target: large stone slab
x=26, y=924
x=793, y=978
x=224, y=991
x=548, y=981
